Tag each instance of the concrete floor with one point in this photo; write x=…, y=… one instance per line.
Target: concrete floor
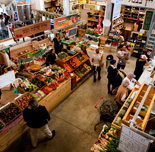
x=74, y=119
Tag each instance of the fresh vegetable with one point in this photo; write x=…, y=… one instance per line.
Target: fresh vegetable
x=126, y=106
x=129, y=100
x=118, y=121
x=122, y=113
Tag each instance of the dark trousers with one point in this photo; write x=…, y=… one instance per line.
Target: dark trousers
x=118, y=105
x=119, y=66
x=111, y=82
x=95, y=69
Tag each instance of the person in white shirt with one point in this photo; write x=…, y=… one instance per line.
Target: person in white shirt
x=96, y=60
x=131, y=80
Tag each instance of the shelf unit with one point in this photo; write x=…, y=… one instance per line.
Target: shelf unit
x=94, y=14
x=80, y=63
x=144, y=115
x=131, y=14
x=74, y=7
x=118, y=114
x=118, y=23
x=151, y=38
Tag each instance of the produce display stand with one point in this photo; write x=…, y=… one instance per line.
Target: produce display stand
x=48, y=101
x=66, y=63
x=144, y=113
x=122, y=108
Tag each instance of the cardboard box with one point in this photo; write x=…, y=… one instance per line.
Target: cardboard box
x=135, y=27
x=114, y=48
x=107, y=48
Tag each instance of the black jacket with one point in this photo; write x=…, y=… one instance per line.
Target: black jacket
x=50, y=59
x=112, y=73
x=57, y=46
x=36, y=118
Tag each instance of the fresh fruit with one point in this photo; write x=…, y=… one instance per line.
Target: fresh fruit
x=67, y=67
x=24, y=101
x=9, y=113
x=38, y=82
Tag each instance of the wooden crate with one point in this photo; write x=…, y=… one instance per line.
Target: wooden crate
x=113, y=123
x=148, y=102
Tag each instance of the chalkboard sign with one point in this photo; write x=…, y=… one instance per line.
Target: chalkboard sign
x=131, y=141
x=147, y=21
x=72, y=32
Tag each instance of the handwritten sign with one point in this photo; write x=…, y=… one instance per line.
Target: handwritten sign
x=7, y=78
x=131, y=141
x=139, y=3
x=32, y=29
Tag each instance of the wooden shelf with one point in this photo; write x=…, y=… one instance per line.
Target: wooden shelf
x=148, y=102
x=94, y=20
x=113, y=123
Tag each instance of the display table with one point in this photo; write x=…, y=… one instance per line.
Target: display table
x=48, y=101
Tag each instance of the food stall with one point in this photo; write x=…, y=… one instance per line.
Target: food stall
x=49, y=84
x=136, y=109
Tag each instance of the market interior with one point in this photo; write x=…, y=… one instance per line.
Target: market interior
x=77, y=76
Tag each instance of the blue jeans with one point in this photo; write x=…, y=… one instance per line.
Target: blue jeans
x=3, y=34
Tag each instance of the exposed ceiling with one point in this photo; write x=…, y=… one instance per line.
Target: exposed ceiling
x=5, y=1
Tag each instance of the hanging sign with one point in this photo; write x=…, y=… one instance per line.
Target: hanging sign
x=117, y=9
x=32, y=29
x=7, y=78
x=138, y=3
x=131, y=141
x=66, y=21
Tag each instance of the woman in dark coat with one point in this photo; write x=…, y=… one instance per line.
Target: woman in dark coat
x=37, y=117
x=57, y=43
x=112, y=73
x=141, y=61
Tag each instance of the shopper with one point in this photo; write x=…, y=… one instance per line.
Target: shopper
x=141, y=61
x=37, y=117
x=57, y=43
x=6, y=17
x=131, y=80
x=112, y=73
x=96, y=59
x=148, y=55
x=51, y=57
x=122, y=93
x=122, y=55
x=3, y=30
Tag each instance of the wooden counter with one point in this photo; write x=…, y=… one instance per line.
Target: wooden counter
x=48, y=101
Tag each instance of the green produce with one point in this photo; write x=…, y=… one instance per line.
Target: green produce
x=106, y=129
x=1, y=126
x=48, y=79
x=113, y=144
x=129, y=100
x=31, y=87
x=96, y=34
x=122, y=113
x=118, y=121
x=126, y=106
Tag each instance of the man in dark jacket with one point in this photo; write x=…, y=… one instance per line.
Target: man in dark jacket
x=37, y=117
x=112, y=73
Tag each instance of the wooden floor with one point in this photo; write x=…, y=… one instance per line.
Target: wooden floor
x=7, y=96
